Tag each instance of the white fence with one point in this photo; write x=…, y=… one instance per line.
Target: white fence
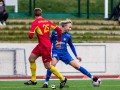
x=98, y=58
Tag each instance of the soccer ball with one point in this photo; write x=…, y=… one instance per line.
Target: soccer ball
x=53, y=86
x=96, y=83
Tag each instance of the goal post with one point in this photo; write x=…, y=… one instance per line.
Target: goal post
x=12, y=62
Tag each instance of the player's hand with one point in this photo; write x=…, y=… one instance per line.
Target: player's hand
x=79, y=58
x=58, y=45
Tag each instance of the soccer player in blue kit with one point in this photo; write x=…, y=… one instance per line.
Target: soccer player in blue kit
x=62, y=52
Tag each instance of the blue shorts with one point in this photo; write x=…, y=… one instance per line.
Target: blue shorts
x=63, y=56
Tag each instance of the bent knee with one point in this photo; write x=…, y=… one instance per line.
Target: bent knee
x=47, y=65
x=31, y=60
x=77, y=68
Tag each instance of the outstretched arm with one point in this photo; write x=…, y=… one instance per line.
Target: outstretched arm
x=73, y=49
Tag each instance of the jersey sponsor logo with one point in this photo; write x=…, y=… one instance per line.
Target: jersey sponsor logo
x=54, y=55
x=62, y=42
x=64, y=39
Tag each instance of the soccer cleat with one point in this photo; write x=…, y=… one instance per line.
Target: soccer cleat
x=95, y=79
x=45, y=86
x=62, y=84
x=96, y=82
x=30, y=83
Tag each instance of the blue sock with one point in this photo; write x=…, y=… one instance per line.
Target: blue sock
x=48, y=75
x=85, y=72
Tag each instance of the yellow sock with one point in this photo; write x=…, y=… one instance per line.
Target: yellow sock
x=57, y=73
x=33, y=71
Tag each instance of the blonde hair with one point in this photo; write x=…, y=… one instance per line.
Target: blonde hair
x=63, y=23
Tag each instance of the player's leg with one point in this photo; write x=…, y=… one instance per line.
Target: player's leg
x=74, y=64
x=69, y=60
x=54, y=70
x=48, y=73
x=56, y=73
x=1, y=18
x=32, y=59
x=33, y=56
x=46, y=57
x=5, y=18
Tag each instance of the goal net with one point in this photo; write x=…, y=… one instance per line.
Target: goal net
x=12, y=62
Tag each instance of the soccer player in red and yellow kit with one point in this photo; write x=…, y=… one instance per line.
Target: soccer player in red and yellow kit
x=42, y=27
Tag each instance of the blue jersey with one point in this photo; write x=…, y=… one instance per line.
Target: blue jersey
x=62, y=52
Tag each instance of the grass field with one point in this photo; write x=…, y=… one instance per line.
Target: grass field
x=71, y=85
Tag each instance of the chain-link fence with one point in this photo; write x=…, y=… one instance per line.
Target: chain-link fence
x=63, y=8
